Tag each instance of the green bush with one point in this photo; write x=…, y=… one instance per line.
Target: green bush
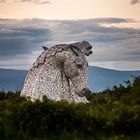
x=112, y=114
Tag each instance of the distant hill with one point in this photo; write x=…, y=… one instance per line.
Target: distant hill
x=102, y=78
x=98, y=78
x=12, y=79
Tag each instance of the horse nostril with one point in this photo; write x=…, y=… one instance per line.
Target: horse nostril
x=89, y=52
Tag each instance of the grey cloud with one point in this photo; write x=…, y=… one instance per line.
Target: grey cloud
x=123, y=50
x=110, y=44
x=14, y=46
x=135, y=1
x=113, y=20
x=21, y=40
x=23, y=32
x=91, y=30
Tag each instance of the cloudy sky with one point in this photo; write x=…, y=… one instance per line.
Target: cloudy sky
x=111, y=26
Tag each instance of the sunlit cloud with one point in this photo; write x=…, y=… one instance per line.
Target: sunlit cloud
x=30, y=1
x=2, y=1
x=35, y=1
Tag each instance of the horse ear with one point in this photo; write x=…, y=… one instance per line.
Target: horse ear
x=45, y=48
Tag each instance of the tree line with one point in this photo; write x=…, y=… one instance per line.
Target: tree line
x=113, y=114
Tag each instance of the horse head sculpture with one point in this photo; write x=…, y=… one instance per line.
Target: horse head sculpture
x=59, y=73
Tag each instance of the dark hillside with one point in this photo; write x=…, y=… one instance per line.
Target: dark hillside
x=11, y=79
x=102, y=78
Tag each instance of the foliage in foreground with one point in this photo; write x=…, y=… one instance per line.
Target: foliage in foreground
x=110, y=115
